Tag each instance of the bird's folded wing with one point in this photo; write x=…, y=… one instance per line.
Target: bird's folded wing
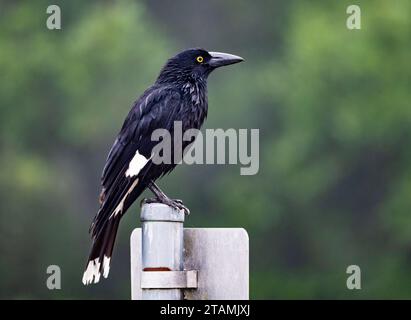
x=131, y=151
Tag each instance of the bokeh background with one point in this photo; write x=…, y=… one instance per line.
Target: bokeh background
x=332, y=106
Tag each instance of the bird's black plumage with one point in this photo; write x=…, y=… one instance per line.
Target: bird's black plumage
x=179, y=94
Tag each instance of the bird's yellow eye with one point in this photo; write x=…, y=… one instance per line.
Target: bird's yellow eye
x=200, y=59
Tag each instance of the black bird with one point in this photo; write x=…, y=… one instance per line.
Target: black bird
x=179, y=94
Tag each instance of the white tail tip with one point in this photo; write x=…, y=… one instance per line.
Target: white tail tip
x=92, y=273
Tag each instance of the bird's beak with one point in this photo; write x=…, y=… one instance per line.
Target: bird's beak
x=219, y=59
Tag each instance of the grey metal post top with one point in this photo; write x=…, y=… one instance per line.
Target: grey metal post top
x=160, y=212
x=169, y=262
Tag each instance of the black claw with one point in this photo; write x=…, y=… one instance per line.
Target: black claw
x=177, y=205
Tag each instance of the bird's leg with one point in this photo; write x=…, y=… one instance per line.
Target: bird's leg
x=163, y=198
x=158, y=195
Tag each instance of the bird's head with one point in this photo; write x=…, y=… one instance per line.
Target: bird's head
x=195, y=64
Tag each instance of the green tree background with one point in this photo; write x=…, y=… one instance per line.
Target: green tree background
x=332, y=106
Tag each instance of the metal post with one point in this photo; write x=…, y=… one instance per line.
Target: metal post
x=214, y=264
x=162, y=246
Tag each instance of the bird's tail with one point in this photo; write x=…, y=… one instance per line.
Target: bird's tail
x=99, y=259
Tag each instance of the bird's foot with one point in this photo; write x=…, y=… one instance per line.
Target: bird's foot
x=176, y=204
x=181, y=206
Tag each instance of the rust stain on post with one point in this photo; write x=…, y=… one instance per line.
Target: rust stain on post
x=157, y=269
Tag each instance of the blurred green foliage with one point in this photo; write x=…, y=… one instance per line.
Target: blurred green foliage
x=332, y=106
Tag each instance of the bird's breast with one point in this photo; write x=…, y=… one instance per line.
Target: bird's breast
x=195, y=104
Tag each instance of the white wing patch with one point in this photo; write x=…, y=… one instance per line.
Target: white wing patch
x=136, y=164
x=92, y=273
